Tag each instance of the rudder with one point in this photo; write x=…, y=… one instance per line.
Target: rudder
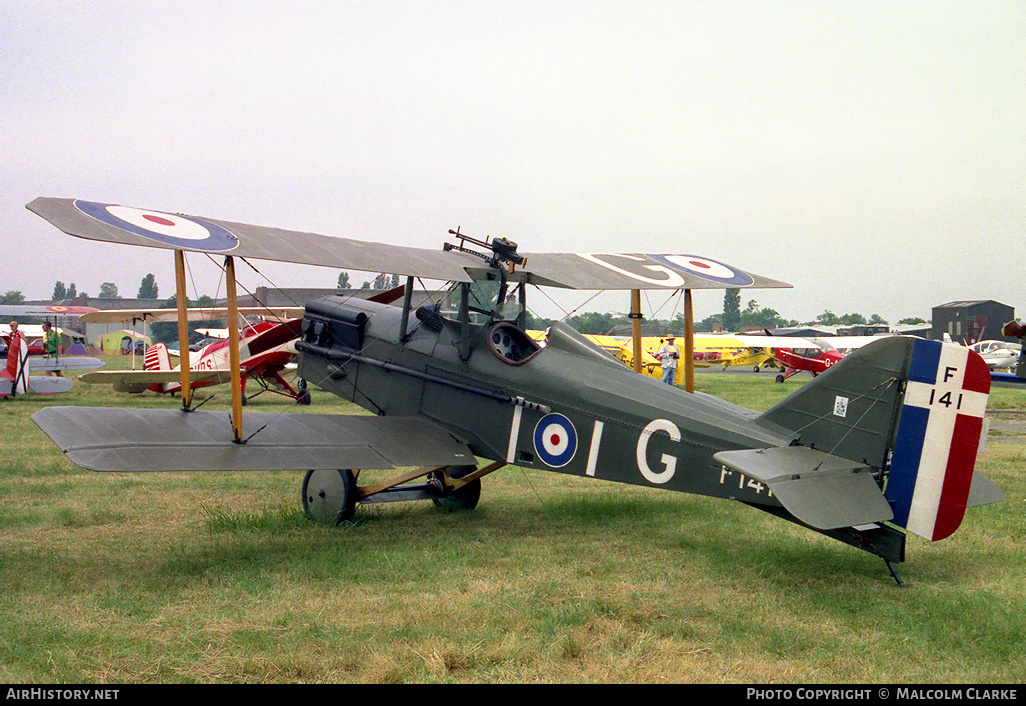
x=157, y=358
x=938, y=435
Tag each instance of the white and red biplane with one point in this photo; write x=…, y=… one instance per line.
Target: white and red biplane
x=266, y=349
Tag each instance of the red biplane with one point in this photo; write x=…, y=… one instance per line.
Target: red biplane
x=266, y=349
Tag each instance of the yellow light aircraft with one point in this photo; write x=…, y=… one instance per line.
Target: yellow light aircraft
x=724, y=351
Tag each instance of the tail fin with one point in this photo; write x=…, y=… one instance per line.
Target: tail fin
x=157, y=358
x=910, y=409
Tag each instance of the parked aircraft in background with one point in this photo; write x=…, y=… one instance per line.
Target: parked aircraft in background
x=266, y=350
x=997, y=354
x=24, y=353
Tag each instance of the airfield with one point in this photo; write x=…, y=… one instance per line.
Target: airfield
x=220, y=577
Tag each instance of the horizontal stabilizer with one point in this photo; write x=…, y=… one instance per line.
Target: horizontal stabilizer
x=65, y=363
x=983, y=491
x=821, y=490
x=47, y=385
x=125, y=440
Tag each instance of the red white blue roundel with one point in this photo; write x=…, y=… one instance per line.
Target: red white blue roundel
x=705, y=268
x=555, y=440
x=168, y=228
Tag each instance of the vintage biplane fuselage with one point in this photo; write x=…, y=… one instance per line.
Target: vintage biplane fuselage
x=608, y=421
x=566, y=406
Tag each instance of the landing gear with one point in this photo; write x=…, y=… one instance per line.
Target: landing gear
x=329, y=496
x=463, y=498
x=302, y=394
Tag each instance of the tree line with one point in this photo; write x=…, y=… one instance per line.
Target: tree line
x=732, y=318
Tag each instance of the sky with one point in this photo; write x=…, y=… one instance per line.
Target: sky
x=872, y=154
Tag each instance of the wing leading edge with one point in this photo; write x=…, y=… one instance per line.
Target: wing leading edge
x=623, y=271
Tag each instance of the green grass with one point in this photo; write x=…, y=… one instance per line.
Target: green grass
x=220, y=578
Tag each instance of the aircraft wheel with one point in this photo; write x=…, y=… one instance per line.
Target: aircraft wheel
x=780, y=378
x=303, y=397
x=756, y=368
x=464, y=498
x=244, y=401
x=329, y=496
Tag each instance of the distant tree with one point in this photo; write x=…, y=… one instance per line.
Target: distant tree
x=756, y=316
x=167, y=331
x=395, y=281
x=12, y=297
x=59, y=291
x=828, y=318
x=853, y=319
x=381, y=282
x=877, y=319
x=709, y=323
x=913, y=320
x=343, y=280
x=72, y=292
x=109, y=290
x=732, y=310
x=535, y=323
x=594, y=322
x=148, y=287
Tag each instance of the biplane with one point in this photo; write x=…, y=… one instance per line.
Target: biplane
x=881, y=445
x=266, y=349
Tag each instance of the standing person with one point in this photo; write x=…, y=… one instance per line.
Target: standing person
x=17, y=357
x=51, y=345
x=669, y=354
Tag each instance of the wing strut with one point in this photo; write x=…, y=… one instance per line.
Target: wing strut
x=233, y=347
x=183, y=329
x=636, y=327
x=689, y=343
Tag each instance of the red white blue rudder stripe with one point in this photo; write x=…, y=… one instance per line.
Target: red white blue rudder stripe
x=938, y=438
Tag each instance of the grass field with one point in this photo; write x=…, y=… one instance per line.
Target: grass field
x=173, y=577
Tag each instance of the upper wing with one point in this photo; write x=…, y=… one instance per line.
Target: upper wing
x=133, y=226
x=128, y=316
x=122, y=440
x=43, y=310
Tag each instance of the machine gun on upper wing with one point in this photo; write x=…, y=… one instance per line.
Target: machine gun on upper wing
x=882, y=443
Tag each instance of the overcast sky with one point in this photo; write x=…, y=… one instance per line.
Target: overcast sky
x=870, y=153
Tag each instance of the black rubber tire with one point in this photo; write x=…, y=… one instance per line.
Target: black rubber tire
x=329, y=496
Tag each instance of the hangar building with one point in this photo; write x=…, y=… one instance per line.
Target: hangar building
x=971, y=321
